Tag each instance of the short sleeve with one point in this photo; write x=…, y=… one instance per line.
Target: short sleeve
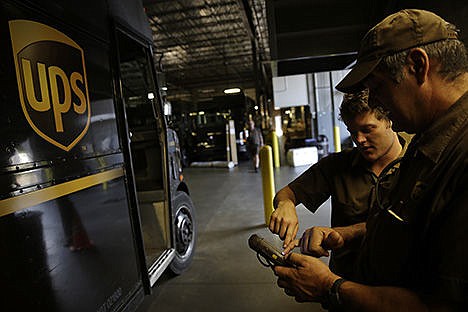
x=312, y=188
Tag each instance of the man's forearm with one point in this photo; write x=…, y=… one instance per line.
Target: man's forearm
x=358, y=297
x=311, y=280
x=352, y=234
x=284, y=194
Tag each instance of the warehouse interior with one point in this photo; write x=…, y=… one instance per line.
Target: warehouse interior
x=127, y=175
x=206, y=46
x=203, y=47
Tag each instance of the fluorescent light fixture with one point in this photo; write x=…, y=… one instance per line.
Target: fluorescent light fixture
x=256, y=107
x=232, y=91
x=164, y=88
x=150, y=96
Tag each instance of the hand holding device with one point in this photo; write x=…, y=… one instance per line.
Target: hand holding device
x=268, y=252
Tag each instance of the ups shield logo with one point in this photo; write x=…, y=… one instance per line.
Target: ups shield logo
x=51, y=75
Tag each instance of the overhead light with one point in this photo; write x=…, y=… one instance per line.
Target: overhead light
x=256, y=107
x=164, y=88
x=150, y=96
x=232, y=91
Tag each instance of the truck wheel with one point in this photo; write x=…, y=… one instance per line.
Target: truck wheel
x=185, y=233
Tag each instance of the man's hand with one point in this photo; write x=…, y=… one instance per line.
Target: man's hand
x=309, y=279
x=284, y=221
x=317, y=240
x=293, y=244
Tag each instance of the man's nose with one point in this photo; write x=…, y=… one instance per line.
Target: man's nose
x=360, y=138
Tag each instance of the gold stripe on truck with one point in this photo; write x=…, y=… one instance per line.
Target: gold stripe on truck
x=17, y=203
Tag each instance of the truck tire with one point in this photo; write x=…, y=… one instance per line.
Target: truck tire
x=185, y=229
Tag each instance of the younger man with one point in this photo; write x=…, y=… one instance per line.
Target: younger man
x=349, y=177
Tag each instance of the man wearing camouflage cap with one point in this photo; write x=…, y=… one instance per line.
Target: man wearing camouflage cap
x=414, y=255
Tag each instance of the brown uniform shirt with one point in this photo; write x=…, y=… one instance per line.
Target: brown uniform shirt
x=346, y=178
x=420, y=241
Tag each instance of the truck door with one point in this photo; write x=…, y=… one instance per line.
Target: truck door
x=139, y=95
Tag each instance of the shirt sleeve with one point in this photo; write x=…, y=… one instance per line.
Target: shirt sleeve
x=313, y=187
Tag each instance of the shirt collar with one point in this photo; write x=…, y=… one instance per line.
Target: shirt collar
x=405, y=140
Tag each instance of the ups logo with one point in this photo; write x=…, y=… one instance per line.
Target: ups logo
x=52, y=85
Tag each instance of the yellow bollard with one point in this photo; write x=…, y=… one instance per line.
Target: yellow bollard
x=275, y=147
x=337, y=139
x=268, y=181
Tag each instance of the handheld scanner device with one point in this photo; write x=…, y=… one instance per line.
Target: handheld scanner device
x=267, y=251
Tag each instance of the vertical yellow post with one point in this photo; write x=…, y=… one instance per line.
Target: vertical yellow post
x=275, y=147
x=268, y=181
x=337, y=138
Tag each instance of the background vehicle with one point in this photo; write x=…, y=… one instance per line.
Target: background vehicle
x=202, y=126
x=93, y=207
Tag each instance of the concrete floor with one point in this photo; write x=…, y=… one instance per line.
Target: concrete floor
x=225, y=274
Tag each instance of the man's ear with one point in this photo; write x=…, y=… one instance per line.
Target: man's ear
x=418, y=64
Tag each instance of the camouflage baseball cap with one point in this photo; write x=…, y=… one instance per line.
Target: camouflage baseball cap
x=397, y=32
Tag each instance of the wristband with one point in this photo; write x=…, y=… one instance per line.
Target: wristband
x=334, y=295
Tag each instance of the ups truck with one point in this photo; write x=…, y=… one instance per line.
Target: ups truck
x=93, y=205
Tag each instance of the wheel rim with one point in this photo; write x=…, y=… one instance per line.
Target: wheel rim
x=184, y=232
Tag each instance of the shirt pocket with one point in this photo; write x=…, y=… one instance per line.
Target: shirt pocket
x=392, y=243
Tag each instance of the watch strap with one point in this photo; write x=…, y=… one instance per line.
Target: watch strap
x=334, y=295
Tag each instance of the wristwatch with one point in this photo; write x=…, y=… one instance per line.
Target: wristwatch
x=334, y=300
